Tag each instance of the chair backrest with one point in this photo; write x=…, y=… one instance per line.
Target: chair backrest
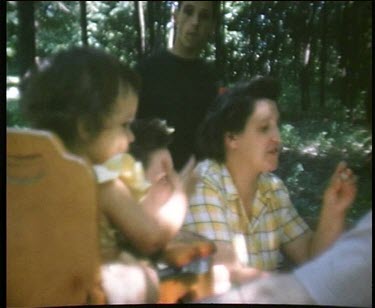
x=51, y=221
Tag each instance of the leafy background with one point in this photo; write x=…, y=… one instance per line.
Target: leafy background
x=320, y=50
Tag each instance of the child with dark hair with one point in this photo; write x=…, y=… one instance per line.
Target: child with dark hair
x=239, y=203
x=89, y=100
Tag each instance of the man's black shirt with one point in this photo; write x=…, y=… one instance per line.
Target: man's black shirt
x=180, y=91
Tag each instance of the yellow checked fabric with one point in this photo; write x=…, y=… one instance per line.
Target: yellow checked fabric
x=125, y=167
x=217, y=212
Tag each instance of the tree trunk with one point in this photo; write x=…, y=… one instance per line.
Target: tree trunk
x=275, y=57
x=158, y=24
x=305, y=72
x=344, y=41
x=305, y=78
x=251, y=61
x=151, y=24
x=353, y=68
x=368, y=102
x=323, y=56
x=171, y=30
x=26, y=36
x=140, y=28
x=219, y=41
x=83, y=10
x=274, y=61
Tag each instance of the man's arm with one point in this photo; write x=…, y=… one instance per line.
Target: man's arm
x=341, y=276
x=275, y=289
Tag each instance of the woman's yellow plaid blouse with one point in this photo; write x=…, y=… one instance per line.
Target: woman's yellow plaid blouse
x=216, y=212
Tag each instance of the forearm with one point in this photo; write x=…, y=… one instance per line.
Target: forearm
x=337, y=199
x=167, y=211
x=275, y=289
x=136, y=224
x=170, y=216
x=331, y=225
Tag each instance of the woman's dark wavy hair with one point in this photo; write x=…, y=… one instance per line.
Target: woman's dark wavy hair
x=229, y=114
x=150, y=135
x=80, y=83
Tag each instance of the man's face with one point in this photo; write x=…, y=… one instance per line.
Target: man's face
x=194, y=22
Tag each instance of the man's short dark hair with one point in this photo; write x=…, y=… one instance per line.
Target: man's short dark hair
x=215, y=8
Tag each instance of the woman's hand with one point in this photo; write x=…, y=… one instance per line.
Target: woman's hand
x=188, y=177
x=168, y=182
x=341, y=190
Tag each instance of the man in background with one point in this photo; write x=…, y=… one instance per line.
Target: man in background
x=177, y=85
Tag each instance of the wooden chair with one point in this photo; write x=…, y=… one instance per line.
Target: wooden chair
x=52, y=240
x=51, y=221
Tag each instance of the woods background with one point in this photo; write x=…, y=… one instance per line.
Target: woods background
x=321, y=51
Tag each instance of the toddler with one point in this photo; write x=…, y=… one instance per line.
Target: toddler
x=89, y=99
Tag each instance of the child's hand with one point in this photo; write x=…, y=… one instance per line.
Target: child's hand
x=341, y=190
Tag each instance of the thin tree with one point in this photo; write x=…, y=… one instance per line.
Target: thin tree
x=323, y=54
x=151, y=24
x=306, y=56
x=26, y=36
x=83, y=11
x=140, y=28
x=171, y=28
x=345, y=40
x=219, y=41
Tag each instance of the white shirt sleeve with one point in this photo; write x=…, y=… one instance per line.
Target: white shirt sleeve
x=342, y=276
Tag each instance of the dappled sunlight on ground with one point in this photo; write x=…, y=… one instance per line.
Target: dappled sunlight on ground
x=310, y=154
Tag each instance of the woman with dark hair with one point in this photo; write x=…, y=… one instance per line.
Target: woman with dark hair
x=239, y=203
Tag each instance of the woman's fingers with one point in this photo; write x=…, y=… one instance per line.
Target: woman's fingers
x=188, y=168
x=342, y=189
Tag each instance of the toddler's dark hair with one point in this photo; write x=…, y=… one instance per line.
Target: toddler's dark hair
x=81, y=83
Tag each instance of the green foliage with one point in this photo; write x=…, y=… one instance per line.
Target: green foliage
x=260, y=37
x=12, y=24
x=110, y=26
x=61, y=18
x=14, y=117
x=312, y=150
